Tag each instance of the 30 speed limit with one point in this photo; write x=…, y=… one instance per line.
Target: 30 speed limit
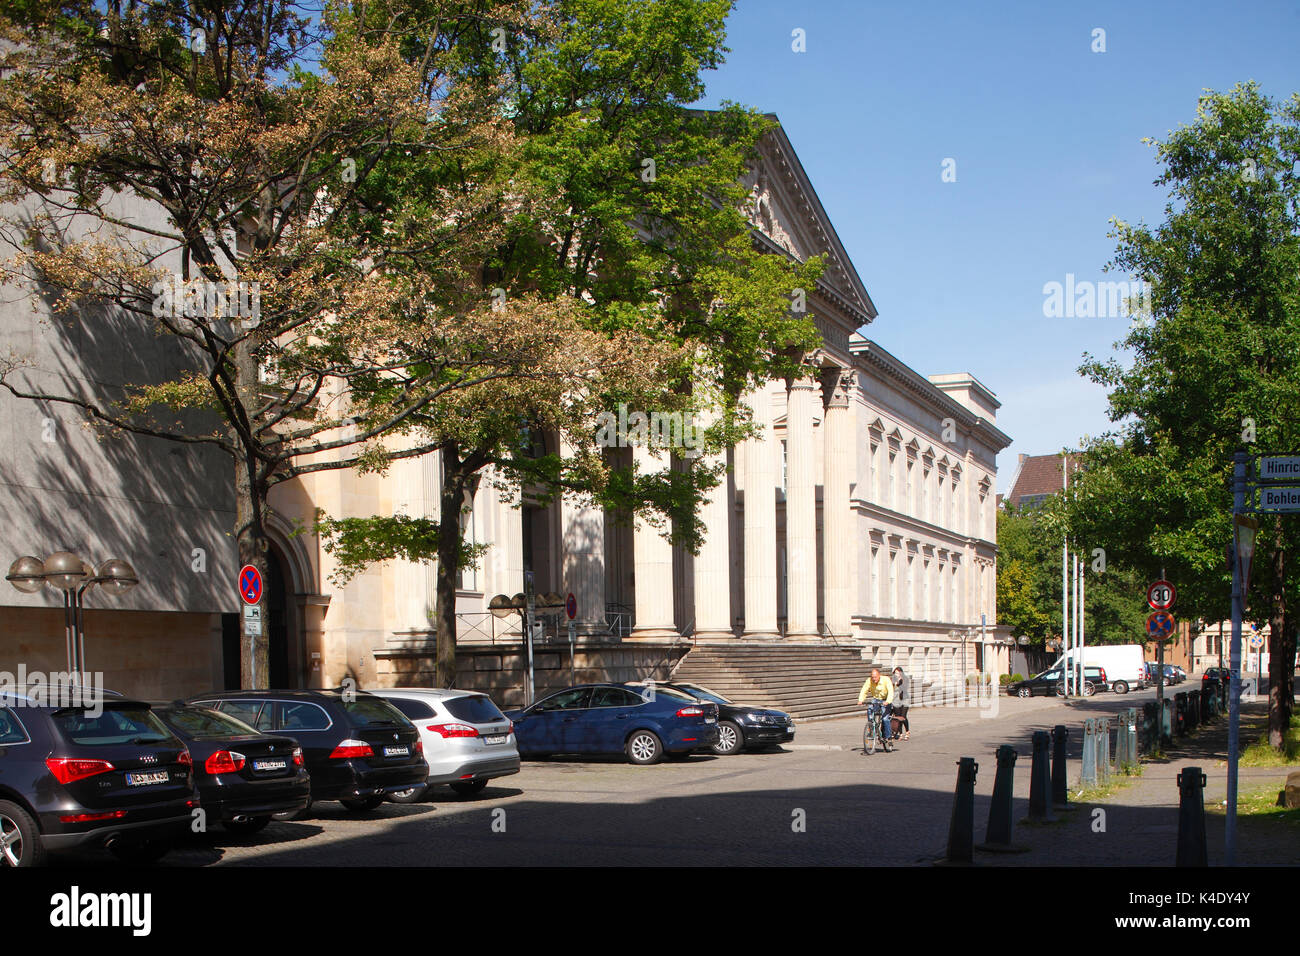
x=1161, y=595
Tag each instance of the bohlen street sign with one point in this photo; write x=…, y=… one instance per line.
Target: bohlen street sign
x=1279, y=499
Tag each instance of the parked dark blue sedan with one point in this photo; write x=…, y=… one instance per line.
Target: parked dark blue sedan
x=643, y=721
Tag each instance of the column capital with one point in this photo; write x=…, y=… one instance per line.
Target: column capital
x=837, y=386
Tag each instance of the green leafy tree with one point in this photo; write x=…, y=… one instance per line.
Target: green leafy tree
x=1215, y=368
x=628, y=219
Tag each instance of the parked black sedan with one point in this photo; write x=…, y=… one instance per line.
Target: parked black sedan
x=243, y=776
x=1049, y=682
x=358, y=747
x=740, y=726
x=74, y=776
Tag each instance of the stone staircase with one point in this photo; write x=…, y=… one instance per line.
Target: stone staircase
x=804, y=680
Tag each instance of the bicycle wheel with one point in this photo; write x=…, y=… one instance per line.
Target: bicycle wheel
x=869, y=736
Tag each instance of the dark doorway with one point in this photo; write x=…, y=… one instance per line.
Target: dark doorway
x=276, y=609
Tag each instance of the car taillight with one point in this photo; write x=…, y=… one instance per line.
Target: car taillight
x=224, y=761
x=453, y=730
x=90, y=817
x=1103, y=675
x=184, y=759
x=691, y=712
x=419, y=747
x=69, y=769
x=350, y=749
x=297, y=757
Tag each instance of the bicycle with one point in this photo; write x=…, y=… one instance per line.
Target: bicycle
x=873, y=732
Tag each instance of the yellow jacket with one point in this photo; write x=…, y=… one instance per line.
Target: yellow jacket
x=883, y=691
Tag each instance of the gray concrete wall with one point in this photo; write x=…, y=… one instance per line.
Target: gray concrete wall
x=165, y=507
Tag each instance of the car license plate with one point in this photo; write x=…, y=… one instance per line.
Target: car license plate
x=270, y=764
x=397, y=751
x=145, y=779
x=495, y=739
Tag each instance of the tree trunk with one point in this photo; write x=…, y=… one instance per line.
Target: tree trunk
x=250, y=532
x=1281, y=652
x=450, y=502
x=250, y=500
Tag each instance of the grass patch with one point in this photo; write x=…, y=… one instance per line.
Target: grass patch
x=1119, y=779
x=1260, y=754
x=1261, y=805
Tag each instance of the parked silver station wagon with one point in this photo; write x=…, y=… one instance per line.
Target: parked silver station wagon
x=467, y=740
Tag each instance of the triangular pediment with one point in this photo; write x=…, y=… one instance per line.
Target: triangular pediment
x=785, y=211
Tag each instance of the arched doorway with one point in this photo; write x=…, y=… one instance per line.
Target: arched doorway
x=283, y=619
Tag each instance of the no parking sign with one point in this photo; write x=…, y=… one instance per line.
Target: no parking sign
x=250, y=584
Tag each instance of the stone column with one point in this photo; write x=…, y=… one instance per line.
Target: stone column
x=713, y=563
x=416, y=487
x=760, y=455
x=837, y=519
x=652, y=557
x=582, y=526
x=801, y=512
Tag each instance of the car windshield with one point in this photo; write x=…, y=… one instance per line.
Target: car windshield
x=198, y=723
x=374, y=712
x=116, y=725
x=705, y=693
x=476, y=709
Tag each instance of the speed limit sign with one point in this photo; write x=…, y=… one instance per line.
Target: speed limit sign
x=1161, y=595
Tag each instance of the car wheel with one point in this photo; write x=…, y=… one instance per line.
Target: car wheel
x=414, y=795
x=247, y=826
x=20, y=838
x=302, y=814
x=148, y=851
x=1120, y=687
x=364, y=804
x=644, y=748
x=1025, y=692
x=468, y=788
x=731, y=739
x=1089, y=689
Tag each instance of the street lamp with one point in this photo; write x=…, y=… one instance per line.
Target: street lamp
x=66, y=572
x=1244, y=529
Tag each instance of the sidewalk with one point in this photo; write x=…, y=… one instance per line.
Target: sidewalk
x=1141, y=819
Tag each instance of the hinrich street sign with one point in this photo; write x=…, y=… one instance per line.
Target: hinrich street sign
x=1278, y=468
x=1278, y=499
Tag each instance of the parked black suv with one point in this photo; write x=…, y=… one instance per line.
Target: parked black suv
x=358, y=747
x=87, y=776
x=243, y=776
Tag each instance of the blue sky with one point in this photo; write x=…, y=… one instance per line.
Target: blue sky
x=1046, y=138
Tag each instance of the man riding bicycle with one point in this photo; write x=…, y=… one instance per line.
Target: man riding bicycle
x=878, y=690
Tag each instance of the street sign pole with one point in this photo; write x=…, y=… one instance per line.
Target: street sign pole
x=531, y=613
x=1234, y=664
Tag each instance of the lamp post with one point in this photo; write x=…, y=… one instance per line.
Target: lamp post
x=1244, y=528
x=66, y=572
x=527, y=604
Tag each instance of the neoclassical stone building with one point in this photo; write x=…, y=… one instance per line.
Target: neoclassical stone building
x=861, y=514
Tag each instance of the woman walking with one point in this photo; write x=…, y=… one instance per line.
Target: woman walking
x=902, y=697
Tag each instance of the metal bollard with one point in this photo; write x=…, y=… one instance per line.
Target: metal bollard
x=1088, y=774
x=998, y=834
x=1191, y=819
x=1193, y=709
x=1214, y=704
x=1132, y=737
x=1150, y=721
x=1178, y=715
x=961, y=830
x=1205, y=705
x=1103, y=750
x=1060, y=786
x=1040, y=783
x=1167, y=723
x=1121, y=739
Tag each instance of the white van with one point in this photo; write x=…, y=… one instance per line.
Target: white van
x=1123, y=663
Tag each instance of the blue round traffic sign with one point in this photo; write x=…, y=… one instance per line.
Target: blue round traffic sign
x=571, y=606
x=1160, y=624
x=250, y=584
